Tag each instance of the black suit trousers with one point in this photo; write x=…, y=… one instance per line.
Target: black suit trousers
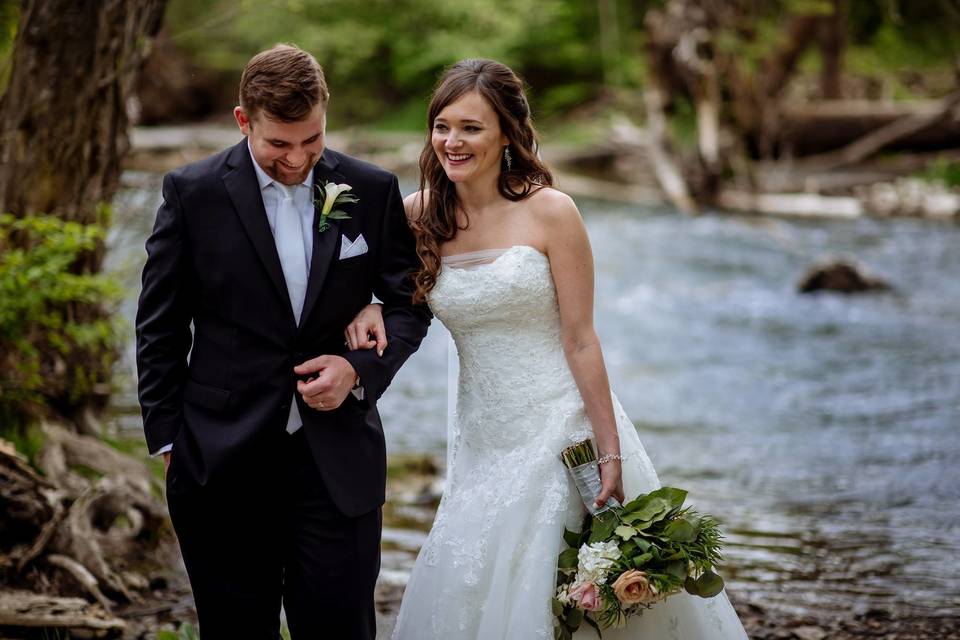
x=269, y=532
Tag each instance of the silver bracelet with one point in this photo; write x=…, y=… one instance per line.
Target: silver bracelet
x=607, y=457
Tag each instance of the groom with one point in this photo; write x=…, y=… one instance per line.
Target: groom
x=275, y=475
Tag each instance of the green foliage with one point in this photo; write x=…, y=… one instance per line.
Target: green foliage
x=943, y=170
x=186, y=631
x=674, y=547
x=57, y=341
x=384, y=53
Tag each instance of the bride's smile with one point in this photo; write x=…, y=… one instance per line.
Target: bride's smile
x=468, y=140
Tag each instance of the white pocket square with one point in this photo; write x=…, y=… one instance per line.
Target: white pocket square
x=352, y=248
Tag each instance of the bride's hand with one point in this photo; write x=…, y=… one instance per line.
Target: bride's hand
x=366, y=331
x=611, y=482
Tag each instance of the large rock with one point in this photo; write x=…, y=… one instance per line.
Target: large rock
x=841, y=276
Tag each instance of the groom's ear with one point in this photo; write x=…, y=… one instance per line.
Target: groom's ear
x=243, y=120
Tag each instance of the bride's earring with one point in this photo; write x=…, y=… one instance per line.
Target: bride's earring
x=507, y=158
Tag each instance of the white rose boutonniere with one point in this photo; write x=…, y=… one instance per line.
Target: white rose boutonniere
x=329, y=196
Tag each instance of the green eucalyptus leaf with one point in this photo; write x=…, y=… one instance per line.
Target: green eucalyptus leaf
x=709, y=584
x=603, y=526
x=677, y=569
x=683, y=529
x=556, y=607
x=572, y=538
x=625, y=531
x=575, y=618
x=568, y=559
x=691, y=586
x=641, y=560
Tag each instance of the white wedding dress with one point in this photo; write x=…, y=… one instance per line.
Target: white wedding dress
x=487, y=570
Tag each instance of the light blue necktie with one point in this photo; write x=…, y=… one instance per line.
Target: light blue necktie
x=289, y=238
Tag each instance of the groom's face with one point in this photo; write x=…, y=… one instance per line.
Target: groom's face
x=286, y=151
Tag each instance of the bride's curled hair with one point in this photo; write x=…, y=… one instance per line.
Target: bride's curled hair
x=436, y=221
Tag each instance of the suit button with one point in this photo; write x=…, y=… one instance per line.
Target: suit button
x=299, y=357
x=284, y=408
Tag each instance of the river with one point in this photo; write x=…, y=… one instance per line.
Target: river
x=823, y=430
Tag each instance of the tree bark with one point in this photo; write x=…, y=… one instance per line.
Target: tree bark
x=832, y=45
x=63, y=134
x=63, y=118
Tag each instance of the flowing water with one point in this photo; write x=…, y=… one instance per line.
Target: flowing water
x=823, y=430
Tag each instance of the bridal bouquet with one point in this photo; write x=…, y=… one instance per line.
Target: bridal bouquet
x=627, y=558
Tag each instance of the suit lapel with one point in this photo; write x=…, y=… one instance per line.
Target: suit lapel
x=324, y=244
x=244, y=189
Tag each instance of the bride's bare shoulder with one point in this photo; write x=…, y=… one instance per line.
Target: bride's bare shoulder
x=415, y=203
x=551, y=205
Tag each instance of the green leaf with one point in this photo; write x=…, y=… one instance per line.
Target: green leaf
x=641, y=560
x=336, y=214
x=572, y=538
x=556, y=607
x=677, y=569
x=709, y=584
x=568, y=559
x=575, y=618
x=625, y=531
x=683, y=529
x=603, y=526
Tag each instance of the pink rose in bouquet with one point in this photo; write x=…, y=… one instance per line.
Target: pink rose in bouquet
x=586, y=596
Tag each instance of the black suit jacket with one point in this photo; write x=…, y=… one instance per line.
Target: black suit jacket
x=212, y=262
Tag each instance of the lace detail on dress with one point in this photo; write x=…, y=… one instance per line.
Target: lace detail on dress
x=488, y=567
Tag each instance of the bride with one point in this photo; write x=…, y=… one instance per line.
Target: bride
x=507, y=267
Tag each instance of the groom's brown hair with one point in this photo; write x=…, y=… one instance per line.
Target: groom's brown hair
x=285, y=83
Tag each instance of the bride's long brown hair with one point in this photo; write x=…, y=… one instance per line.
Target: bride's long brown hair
x=437, y=219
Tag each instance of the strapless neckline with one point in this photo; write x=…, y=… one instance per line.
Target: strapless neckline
x=470, y=257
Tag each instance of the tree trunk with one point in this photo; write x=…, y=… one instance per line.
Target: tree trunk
x=63, y=119
x=831, y=53
x=63, y=134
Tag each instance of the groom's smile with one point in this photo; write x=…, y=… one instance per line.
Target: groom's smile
x=286, y=151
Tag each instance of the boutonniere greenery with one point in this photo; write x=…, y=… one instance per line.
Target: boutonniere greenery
x=329, y=196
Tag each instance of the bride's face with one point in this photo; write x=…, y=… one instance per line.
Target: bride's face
x=467, y=139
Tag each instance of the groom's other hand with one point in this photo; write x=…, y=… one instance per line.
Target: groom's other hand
x=327, y=389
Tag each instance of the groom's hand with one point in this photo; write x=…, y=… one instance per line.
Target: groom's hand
x=330, y=380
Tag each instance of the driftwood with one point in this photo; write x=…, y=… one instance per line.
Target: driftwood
x=791, y=204
x=656, y=143
x=26, y=609
x=79, y=529
x=881, y=138
x=818, y=127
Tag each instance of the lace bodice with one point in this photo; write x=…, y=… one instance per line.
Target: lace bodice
x=504, y=319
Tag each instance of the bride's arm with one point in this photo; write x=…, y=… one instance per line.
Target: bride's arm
x=571, y=263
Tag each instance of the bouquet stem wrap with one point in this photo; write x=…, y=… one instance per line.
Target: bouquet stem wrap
x=581, y=462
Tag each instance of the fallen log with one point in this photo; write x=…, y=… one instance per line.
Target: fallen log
x=881, y=138
x=32, y=610
x=818, y=127
x=808, y=205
